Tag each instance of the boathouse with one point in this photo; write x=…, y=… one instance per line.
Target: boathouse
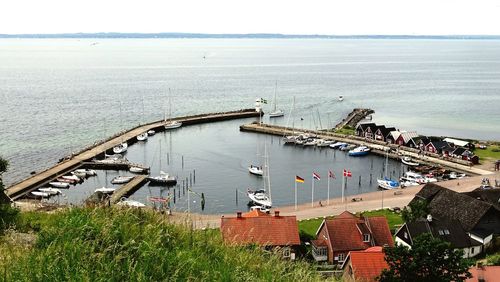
x=272, y=232
x=382, y=132
x=365, y=130
x=460, y=143
x=344, y=233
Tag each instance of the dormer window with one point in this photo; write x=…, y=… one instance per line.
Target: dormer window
x=366, y=237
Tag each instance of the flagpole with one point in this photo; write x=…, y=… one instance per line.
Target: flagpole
x=312, y=195
x=189, y=203
x=328, y=193
x=343, y=181
x=343, y=188
x=295, y=194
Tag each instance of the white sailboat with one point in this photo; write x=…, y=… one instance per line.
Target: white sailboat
x=164, y=179
x=105, y=190
x=387, y=183
x=123, y=146
x=171, y=124
x=143, y=136
x=261, y=197
x=50, y=191
x=276, y=112
x=121, y=179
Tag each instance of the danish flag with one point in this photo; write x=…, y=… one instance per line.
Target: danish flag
x=316, y=176
x=347, y=173
x=331, y=174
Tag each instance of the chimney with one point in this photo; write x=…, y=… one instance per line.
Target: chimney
x=276, y=213
x=429, y=218
x=238, y=214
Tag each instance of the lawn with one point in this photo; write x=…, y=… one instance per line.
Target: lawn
x=491, y=153
x=346, y=130
x=309, y=227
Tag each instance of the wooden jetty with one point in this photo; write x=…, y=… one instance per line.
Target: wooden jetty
x=377, y=147
x=354, y=118
x=128, y=188
x=19, y=189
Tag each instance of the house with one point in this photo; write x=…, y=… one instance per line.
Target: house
x=381, y=132
x=364, y=265
x=392, y=136
x=436, y=146
x=491, y=196
x=464, y=154
x=480, y=219
x=405, y=137
x=278, y=233
x=481, y=273
x=447, y=230
x=460, y=143
x=344, y=233
x=365, y=130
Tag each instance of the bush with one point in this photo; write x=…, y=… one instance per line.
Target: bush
x=493, y=259
x=8, y=216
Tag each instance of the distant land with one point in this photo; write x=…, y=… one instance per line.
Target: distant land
x=249, y=35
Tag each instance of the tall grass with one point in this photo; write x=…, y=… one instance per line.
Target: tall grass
x=135, y=245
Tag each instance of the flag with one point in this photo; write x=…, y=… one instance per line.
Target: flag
x=299, y=179
x=263, y=101
x=316, y=176
x=331, y=174
x=347, y=173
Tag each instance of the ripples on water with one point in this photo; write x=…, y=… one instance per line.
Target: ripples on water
x=59, y=95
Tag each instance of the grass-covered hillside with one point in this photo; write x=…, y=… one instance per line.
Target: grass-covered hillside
x=84, y=244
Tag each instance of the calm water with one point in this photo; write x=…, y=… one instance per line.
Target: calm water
x=61, y=94
x=221, y=154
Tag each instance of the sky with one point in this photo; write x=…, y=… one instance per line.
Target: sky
x=328, y=17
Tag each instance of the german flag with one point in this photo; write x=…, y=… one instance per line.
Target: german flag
x=299, y=179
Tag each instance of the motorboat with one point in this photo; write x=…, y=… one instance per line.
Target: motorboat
x=310, y=142
x=130, y=203
x=337, y=145
x=80, y=174
x=454, y=175
x=172, y=124
x=409, y=161
x=324, y=143
x=341, y=98
x=260, y=198
x=121, y=179
x=137, y=169
x=428, y=178
x=387, y=183
x=70, y=181
x=50, y=191
x=40, y=194
x=347, y=147
x=411, y=179
x=163, y=179
x=88, y=172
x=72, y=177
x=142, y=137
x=277, y=113
x=359, y=151
x=260, y=208
x=256, y=170
x=287, y=140
x=151, y=132
x=120, y=148
x=59, y=184
x=105, y=190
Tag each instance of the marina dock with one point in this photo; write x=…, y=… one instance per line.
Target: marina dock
x=17, y=190
x=128, y=189
x=354, y=117
x=376, y=147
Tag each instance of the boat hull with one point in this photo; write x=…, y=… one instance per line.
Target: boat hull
x=173, y=125
x=276, y=114
x=259, y=199
x=256, y=171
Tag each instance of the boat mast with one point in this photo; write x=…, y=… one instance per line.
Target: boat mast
x=275, y=87
x=386, y=162
x=169, y=105
x=268, y=177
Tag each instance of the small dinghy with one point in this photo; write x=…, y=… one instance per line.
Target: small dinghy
x=105, y=190
x=163, y=179
x=120, y=148
x=70, y=181
x=40, y=194
x=80, y=174
x=255, y=170
x=59, y=184
x=341, y=98
x=130, y=203
x=137, y=169
x=50, y=191
x=408, y=161
x=151, y=132
x=142, y=137
x=121, y=179
x=86, y=172
x=337, y=145
x=73, y=177
x=359, y=151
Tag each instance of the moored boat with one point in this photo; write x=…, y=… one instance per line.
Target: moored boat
x=105, y=190
x=341, y=98
x=70, y=181
x=137, y=169
x=409, y=161
x=151, y=132
x=130, y=203
x=121, y=179
x=87, y=172
x=163, y=179
x=40, y=194
x=260, y=197
x=387, y=183
x=59, y=184
x=50, y=191
x=142, y=137
x=337, y=145
x=72, y=177
x=256, y=170
x=120, y=148
x=359, y=151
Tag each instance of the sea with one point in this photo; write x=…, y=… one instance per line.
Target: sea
x=60, y=95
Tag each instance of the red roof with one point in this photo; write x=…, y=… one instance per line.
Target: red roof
x=264, y=230
x=255, y=213
x=346, y=232
x=367, y=265
x=487, y=273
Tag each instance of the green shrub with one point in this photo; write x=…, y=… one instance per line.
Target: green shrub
x=8, y=216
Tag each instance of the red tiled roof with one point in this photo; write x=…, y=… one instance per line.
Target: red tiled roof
x=367, y=265
x=488, y=273
x=255, y=213
x=319, y=243
x=346, y=214
x=262, y=230
x=380, y=231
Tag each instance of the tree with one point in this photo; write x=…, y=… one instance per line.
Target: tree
x=8, y=214
x=415, y=210
x=429, y=259
x=3, y=168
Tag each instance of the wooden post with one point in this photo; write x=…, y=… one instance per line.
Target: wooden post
x=194, y=175
x=168, y=159
x=174, y=195
x=236, y=196
x=359, y=183
x=190, y=179
x=182, y=162
x=370, y=178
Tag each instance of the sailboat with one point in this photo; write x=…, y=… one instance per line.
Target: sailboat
x=143, y=136
x=169, y=123
x=260, y=197
x=387, y=183
x=256, y=169
x=276, y=112
x=164, y=179
x=123, y=146
x=291, y=139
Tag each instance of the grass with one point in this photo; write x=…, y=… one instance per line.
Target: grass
x=347, y=130
x=492, y=152
x=84, y=244
x=308, y=227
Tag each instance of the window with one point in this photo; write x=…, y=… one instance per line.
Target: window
x=447, y=232
x=366, y=237
x=440, y=232
x=405, y=235
x=472, y=250
x=341, y=257
x=286, y=252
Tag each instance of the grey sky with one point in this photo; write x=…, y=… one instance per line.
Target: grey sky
x=432, y=17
